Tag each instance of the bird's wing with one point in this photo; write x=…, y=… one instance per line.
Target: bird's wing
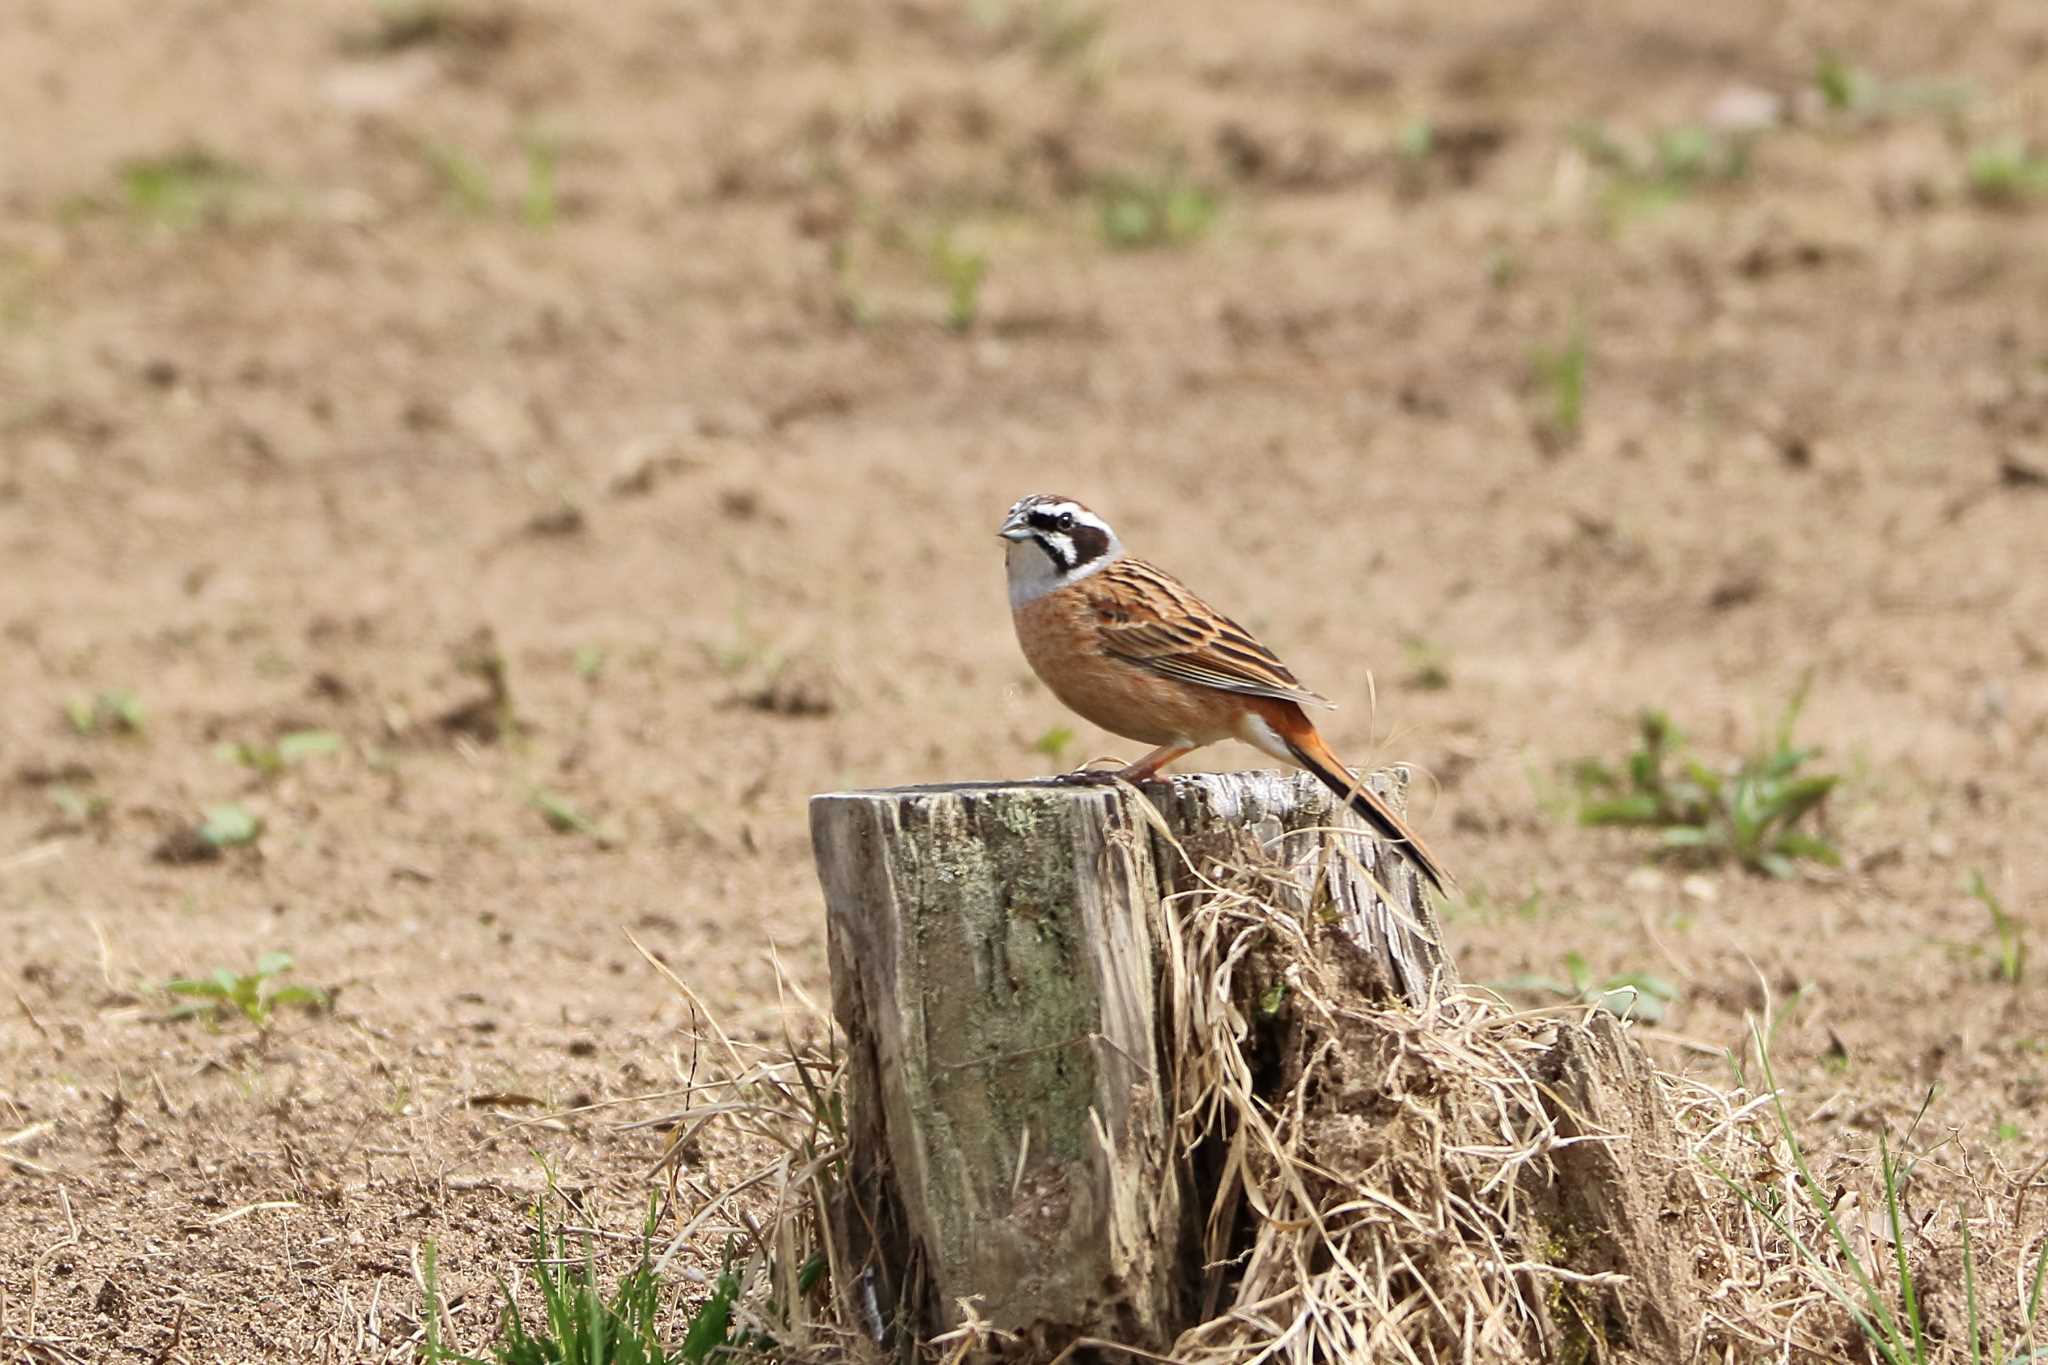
x=1149, y=618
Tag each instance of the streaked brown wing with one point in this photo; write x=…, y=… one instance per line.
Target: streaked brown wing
x=1149, y=618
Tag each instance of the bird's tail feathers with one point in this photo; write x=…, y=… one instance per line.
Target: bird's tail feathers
x=1310, y=752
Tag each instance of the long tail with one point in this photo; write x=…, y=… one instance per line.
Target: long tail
x=1306, y=747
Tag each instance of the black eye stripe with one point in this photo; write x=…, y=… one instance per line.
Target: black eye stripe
x=1071, y=539
x=1059, y=550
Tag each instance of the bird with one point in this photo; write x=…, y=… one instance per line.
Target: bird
x=1128, y=646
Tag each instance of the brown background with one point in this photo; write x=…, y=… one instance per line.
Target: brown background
x=270, y=455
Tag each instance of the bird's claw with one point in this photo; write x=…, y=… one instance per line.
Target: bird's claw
x=1088, y=777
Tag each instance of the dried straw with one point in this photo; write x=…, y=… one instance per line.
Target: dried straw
x=1372, y=1180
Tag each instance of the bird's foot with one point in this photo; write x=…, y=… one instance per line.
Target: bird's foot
x=1089, y=777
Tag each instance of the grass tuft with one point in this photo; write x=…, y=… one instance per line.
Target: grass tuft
x=470, y=189
x=230, y=825
x=220, y=827
x=269, y=758
x=564, y=816
x=1626, y=995
x=1054, y=743
x=960, y=270
x=1673, y=164
x=540, y=200
x=1560, y=372
x=465, y=181
x=1166, y=209
x=1844, y=88
x=1801, y=1237
x=578, y=1324
x=1750, y=812
x=250, y=994
x=1893, y=1325
x=2007, y=171
x=186, y=188
x=1429, y=664
x=1853, y=93
x=113, y=712
x=2010, y=964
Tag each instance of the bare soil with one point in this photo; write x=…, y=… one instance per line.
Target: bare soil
x=332, y=335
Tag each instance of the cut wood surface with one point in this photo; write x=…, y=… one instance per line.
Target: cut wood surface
x=995, y=965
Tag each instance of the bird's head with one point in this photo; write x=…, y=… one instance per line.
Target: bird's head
x=1054, y=541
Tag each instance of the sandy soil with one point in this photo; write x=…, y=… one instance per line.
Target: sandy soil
x=331, y=337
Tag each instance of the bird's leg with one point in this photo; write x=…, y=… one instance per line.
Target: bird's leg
x=1144, y=770
x=1147, y=768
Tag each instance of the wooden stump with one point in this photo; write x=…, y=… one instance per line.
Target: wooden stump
x=994, y=967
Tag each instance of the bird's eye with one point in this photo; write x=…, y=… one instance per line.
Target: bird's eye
x=1065, y=521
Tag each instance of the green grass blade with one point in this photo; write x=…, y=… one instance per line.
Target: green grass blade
x=1788, y=719
x=1797, y=797
x=2034, y=1289
x=1887, y=1339
x=1621, y=810
x=1776, y=865
x=1809, y=846
x=1970, y=1299
x=711, y=1324
x=1908, y=1297
x=1785, y=1229
x=311, y=996
x=595, y=1315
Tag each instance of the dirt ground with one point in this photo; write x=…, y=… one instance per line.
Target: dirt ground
x=648, y=338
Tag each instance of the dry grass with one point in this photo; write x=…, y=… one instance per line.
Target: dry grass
x=785, y=1101
x=1886, y=1247
x=1385, y=1182
x=1368, y=1204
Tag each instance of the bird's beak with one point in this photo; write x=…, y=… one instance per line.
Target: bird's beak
x=1015, y=528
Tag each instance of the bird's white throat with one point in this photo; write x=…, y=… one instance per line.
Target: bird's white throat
x=1033, y=573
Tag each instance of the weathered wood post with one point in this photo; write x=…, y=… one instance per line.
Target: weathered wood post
x=995, y=966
